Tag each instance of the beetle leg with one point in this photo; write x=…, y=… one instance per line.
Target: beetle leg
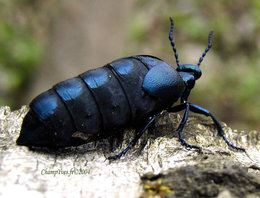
x=178, y=108
x=137, y=137
x=197, y=109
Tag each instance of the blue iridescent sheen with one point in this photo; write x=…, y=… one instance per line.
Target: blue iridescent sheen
x=45, y=106
x=190, y=68
x=69, y=89
x=151, y=61
x=100, y=103
x=95, y=78
x=123, y=66
x=162, y=80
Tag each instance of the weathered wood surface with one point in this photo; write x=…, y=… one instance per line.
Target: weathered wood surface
x=85, y=172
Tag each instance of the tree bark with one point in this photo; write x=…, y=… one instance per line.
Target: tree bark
x=158, y=161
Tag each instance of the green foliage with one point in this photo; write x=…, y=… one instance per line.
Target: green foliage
x=19, y=54
x=20, y=49
x=230, y=84
x=138, y=31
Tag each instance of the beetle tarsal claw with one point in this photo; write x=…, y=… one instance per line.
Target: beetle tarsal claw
x=81, y=135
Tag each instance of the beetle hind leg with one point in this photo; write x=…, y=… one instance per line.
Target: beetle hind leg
x=134, y=141
x=178, y=108
x=197, y=109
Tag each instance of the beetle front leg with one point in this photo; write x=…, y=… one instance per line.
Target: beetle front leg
x=137, y=137
x=178, y=108
x=197, y=109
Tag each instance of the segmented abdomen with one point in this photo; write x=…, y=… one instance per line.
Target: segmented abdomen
x=98, y=101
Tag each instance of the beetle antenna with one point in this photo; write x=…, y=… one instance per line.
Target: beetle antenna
x=207, y=49
x=172, y=42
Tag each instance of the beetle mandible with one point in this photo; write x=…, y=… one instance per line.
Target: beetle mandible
x=99, y=102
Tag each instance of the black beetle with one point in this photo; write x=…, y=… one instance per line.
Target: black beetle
x=123, y=93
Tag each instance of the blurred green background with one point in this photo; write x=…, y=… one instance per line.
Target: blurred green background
x=44, y=42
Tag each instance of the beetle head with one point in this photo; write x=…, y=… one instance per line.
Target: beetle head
x=189, y=73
